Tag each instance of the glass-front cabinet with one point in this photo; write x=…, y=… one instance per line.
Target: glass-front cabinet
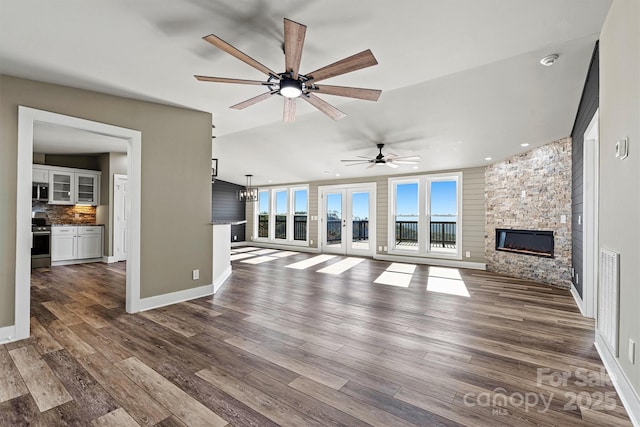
x=87, y=188
x=74, y=187
x=61, y=188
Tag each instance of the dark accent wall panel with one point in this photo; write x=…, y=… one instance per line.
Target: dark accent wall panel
x=226, y=207
x=587, y=108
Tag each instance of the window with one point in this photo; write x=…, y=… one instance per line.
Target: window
x=263, y=214
x=300, y=212
x=424, y=215
x=282, y=215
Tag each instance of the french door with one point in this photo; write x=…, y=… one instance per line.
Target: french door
x=347, y=223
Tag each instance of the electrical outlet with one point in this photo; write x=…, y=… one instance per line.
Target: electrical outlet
x=385, y=249
x=311, y=242
x=379, y=248
x=632, y=351
x=235, y=238
x=77, y=215
x=563, y=219
x=195, y=274
x=468, y=254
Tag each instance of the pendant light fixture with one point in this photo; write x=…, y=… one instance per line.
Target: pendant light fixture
x=249, y=194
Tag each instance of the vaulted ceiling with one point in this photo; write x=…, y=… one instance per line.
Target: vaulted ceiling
x=461, y=79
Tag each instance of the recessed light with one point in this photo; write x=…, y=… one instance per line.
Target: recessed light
x=326, y=172
x=487, y=158
x=415, y=167
x=337, y=174
x=270, y=180
x=549, y=60
x=524, y=144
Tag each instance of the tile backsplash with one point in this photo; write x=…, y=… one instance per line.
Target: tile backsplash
x=66, y=214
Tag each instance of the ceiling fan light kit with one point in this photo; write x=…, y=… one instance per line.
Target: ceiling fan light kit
x=291, y=84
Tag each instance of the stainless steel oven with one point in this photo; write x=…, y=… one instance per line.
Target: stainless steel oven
x=41, y=240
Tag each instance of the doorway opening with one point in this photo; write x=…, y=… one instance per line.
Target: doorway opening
x=347, y=219
x=27, y=119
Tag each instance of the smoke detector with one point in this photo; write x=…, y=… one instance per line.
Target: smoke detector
x=549, y=60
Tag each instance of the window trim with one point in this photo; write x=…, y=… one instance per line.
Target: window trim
x=424, y=214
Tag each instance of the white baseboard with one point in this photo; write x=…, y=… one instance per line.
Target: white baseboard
x=432, y=261
x=628, y=395
x=109, y=259
x=76, y=261
x=217, y=282
x=7, y=334
x=579, y=302
x=175, y=297
x=296, y=248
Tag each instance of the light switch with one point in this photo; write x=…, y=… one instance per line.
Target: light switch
x=563, y=219
x=632, y=351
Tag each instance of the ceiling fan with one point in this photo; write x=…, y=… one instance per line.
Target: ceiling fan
x=291, y=84
x=391, y=160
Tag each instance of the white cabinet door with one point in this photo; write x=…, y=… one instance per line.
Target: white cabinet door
x=39, y=175
x=89, y=242
x=61, y=188
x=87, y=185
x=63, y=244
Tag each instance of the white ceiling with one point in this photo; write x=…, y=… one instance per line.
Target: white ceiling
x=460, y=78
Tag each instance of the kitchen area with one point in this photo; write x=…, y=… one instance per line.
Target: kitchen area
x=64, y=222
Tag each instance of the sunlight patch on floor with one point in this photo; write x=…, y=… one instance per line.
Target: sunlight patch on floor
x=284, y=254
x=265, y=251
x=402, y=268
x=236, y=257
x=341, y=266
x=259, y=259
x=302, y=265
x=243, y=249
x=446, y=281
x=394, y=279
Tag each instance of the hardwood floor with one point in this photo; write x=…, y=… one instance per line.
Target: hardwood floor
x=292, y=346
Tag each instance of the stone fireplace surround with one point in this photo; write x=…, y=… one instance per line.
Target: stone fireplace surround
x=531, y=191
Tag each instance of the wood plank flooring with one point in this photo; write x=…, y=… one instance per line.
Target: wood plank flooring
x=294, y=346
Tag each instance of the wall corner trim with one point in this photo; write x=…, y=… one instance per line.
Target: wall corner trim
x=576, y=297
x=219, y=281
x=175, y=297
x=621, y=383
x=8, y=334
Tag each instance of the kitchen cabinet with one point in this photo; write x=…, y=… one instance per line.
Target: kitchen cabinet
x=89, y=242
x=61, y=188
x=87, y=185
x=39, y=175
x=63, y=243
x=71, y=244
x=68, y=186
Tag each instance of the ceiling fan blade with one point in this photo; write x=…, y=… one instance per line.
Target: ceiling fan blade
x=405, y=162
x=407, y=158
x=371, y=165
x=324, y=106
x=249, y=102
x=293, y=42
x=358, y=163
x=355, y=62
x=349, y=92
x=226, y=80
x=223, y=45
x=356, y=160
x=289, y=114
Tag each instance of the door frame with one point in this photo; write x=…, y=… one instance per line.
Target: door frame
x=590, y=191
x=27, y=117
x=359, y=187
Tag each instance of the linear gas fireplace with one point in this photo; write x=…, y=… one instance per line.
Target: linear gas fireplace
x=527, y=242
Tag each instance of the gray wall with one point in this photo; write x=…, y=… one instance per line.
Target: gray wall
x=176, y=233
x=472, y=214
x=619, y=205
x=587, y=108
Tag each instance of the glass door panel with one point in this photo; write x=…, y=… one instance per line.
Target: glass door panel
x=334, y=235
x=281, y=214
x=263, y=215
x=359, y=207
